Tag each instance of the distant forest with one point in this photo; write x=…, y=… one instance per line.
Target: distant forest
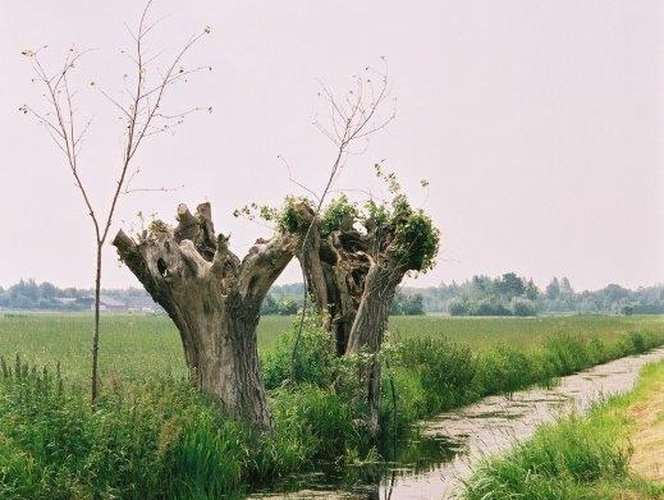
x=512, y=295
x=506, y=295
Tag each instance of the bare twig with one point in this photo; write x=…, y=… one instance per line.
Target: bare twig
x=285, y=163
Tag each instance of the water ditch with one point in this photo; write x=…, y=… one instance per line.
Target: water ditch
x=447, y=447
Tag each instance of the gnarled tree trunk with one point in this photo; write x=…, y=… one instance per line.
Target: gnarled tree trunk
x=355, y=273
x=359, y=293
x=214, y=300
x=335, y=267
x=369, y=330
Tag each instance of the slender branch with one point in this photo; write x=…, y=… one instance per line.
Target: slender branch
x=115, y=103
x=357, y=117
x=293, y=179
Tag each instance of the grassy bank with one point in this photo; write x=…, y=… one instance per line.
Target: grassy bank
x=431, y=375
x=610, y=453
x=154, y=437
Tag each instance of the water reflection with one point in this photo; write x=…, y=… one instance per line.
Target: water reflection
x=418, y=453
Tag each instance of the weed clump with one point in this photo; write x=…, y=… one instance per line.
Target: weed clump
x=312, y=361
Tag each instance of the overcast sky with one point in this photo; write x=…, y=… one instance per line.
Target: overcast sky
x=537, y=123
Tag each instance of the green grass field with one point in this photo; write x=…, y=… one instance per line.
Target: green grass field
x=154, y=436
x=138, y=345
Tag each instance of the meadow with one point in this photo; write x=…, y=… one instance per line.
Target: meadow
x=136, y=345
x=152, y=436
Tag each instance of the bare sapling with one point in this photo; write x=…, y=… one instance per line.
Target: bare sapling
x=141, y=106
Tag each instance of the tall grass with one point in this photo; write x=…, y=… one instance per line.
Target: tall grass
x=563, y=461
x=159, y=439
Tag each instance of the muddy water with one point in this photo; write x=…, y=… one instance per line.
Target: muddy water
x=454, y=442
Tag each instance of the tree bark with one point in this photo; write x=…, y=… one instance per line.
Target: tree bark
x=214, y=300
x=335, y=268
x=94, y=382
x=368, y=331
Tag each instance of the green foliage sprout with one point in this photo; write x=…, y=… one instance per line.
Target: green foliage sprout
x=339, y=214
x=415, y=240
x=287, y=218
x=418, y=240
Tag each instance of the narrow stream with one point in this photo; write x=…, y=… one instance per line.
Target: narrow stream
x=452, y=443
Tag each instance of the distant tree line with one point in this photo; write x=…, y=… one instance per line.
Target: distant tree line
x=506, y=295
x=512, y=295
x=411, y=304
x=287, y=299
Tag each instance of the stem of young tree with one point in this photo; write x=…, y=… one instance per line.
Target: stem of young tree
x=94, y=389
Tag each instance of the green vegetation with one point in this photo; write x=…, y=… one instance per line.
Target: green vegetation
x=577, y=457
x=510, y=294
x=156, y=439
x=407, y=305
x=136, y=345
x=153, y=436
x=285, y=306
x=433, y=374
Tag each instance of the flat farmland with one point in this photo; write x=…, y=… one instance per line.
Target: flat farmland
x=134, y=345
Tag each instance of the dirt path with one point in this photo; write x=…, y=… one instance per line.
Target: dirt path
x=648, y=437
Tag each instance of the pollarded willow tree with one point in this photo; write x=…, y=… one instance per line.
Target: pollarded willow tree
x=356, y=261
x=214, y=298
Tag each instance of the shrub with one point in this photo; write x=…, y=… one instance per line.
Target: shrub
x=313, y=361
x=523, y=307
x=488, y=308
x=637, y=342
x=567, y=354
x=457, y=307
x=445, y=370
x=324, y=423
x=504, y=370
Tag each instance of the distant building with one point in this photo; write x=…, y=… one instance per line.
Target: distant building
x=66, y=301
x=74, y=303
x=107, y=303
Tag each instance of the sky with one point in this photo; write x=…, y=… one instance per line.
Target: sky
x=538, y=125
